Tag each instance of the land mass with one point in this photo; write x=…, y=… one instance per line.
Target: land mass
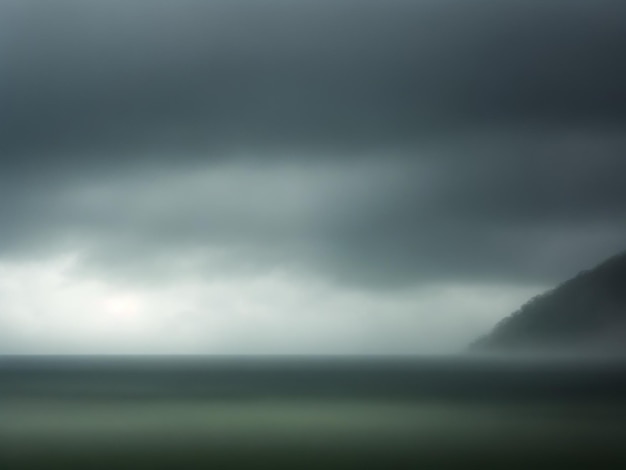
x=586, y=314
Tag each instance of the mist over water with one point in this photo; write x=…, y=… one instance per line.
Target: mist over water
x=148, y=412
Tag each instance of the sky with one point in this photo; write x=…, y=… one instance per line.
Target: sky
x=300, y=176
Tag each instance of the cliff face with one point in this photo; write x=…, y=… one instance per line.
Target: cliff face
x=587, y=312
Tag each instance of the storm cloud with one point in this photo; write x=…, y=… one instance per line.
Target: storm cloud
x=375, y=147
x=332, y=75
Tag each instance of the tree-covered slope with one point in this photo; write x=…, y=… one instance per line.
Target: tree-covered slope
x=586, y=312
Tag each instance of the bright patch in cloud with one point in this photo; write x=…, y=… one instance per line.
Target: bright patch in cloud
x=47, y=307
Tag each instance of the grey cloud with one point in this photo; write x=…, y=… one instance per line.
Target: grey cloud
x=372, y=143
x=491, y=216
x=538, y=212
x=80, y=77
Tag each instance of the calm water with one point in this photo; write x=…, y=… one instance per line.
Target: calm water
x=194, y=412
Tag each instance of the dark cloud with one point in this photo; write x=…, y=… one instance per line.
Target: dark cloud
x=82, y=77
x=376, y=143
x=493, y=216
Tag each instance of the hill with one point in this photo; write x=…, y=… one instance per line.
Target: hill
x=586, y=313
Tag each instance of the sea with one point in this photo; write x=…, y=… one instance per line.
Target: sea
x=300, y=412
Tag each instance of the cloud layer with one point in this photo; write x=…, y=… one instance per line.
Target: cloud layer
x=368, y=146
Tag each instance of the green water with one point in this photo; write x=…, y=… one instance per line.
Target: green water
x=304, y=434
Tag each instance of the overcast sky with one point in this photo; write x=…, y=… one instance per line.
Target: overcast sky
x=301, y=176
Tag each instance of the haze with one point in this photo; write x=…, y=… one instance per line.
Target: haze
x=300, y=177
